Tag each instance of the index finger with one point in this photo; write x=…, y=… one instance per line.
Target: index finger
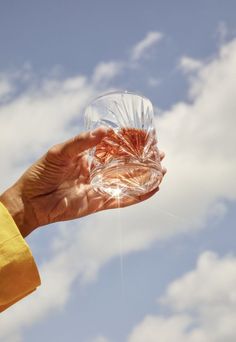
x=81, y=142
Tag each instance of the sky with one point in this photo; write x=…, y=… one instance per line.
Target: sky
x=163, y=270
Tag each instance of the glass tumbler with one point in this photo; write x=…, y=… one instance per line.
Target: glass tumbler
x=126, y=162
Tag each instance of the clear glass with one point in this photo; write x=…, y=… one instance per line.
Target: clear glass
x=127, y=161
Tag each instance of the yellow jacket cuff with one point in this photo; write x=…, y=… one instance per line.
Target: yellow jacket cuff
x=19, y=275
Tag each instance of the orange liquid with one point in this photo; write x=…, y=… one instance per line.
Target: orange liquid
x=126, y=161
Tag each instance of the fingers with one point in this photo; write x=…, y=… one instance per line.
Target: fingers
x=148, y=195
x=113, y=203
x=127, y=201
x=80, y=143
x=164, y=170
x=162, y=155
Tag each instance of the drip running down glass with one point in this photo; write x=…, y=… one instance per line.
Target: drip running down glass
x=126, y=162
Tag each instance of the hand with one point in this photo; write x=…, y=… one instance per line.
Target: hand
x=57, y=188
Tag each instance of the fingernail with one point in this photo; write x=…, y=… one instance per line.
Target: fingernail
x=98, y=130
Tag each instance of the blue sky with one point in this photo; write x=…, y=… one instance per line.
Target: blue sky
x=55, y=57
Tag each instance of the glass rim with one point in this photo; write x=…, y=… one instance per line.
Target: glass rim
x=113, y=92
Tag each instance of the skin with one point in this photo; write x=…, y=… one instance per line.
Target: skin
x=57, y=188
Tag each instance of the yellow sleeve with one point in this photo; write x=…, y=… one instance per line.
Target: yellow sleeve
x=18, y=272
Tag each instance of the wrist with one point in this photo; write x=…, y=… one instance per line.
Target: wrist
x=13, y=201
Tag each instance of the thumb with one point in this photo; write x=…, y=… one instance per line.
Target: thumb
x=81, y=142
x=148, y=195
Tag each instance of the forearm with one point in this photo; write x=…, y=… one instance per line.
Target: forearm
x=20, y=211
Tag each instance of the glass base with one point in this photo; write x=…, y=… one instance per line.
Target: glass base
x=125, y=179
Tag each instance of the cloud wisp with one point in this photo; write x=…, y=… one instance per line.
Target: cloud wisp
x=188, y=64
x=104, y=72
x=141, y=48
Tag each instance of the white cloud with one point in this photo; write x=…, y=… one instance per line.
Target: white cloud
x=104, y=72
x=9, y=79
x=202, y=305
x=199, y=141
x=211, y=284
x=5, y=87
x=141, y=48
x=189, y=64
x=157, y=328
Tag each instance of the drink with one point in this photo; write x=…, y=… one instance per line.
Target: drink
x=126, y=163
